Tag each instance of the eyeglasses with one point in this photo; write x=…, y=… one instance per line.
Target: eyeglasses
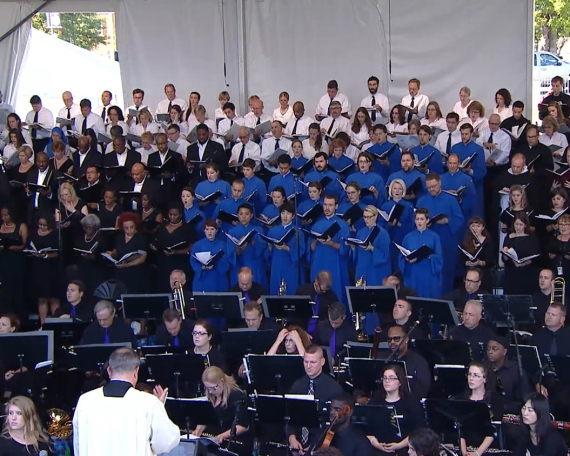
x=389, y=379
x=368, y=217
x=394, y=339
x=211, y=388
x=471, y=281
x=473, y=375
x=199, y=333
x=351, y=193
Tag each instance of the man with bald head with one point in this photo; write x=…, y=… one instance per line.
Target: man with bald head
x=85, y=157
x=40, y=201
x=495, y=142
x=250, y=290
x=299, y=124
x=245, y=148
x=69, y=111
x=321, y=294
x=256, y=117
x=140, y=184
x=473, y=331
x=167, y=170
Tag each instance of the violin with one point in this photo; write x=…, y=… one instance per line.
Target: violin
x=328, y=435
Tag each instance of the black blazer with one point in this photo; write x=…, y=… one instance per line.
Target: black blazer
x=150, y=187
x=92, y=158
x=118, y=181
x=344, y=333
x=45, y=204
x=214, y=152
x=168, y=189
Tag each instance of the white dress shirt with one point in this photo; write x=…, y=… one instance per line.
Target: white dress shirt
x=505, y=113
x=380, y=99
x=252, y=151
x=438, y=123
x=145, y=153
x=122, y=158
x=361, y=136
x=40, y=181
x=162, y=107
x=420, y=102
x=121, y=124
x=325, y=101
x=99, y=111
x=93, y=121
x=226, y=124
x=340, y=124
x=460, y=110
x=74, y=111
x=210, y=123
x=302, y=125
x=479, y=125
x=268, y=146
x=251, y=119
x=393, y=128
x=309, y=151
x=558, y=139
x=138, y=187
x=501, y=140
x=45, y=118
x=138, y=130
x=441, y=141
x=6, y=139
x=283, y=118
x=183, y=146
x=219, y=113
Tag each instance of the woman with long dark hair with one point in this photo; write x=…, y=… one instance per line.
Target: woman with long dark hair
x=478, y=244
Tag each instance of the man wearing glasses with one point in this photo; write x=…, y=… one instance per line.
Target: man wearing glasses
x=495, y=142
x=470, y=290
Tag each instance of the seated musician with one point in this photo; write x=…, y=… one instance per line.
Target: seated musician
x=321, y=294
x=107, y=328
x=336, y=331
x=254, y=318
x=292, y=340
x=9, y=323
x=397, y=282
x=472, y=330
x=423, y=442
x=174, y=330
x=402, y=314
x=229, y=402
x=539, y=437
x=541, y=298
x=76, y=307
x=394, y=392
x=178, y=281
x=469, y=291
x=202, y=337
x=251, y=291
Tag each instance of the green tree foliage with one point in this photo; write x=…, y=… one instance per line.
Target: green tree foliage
x=552, y=22
x=80, y=29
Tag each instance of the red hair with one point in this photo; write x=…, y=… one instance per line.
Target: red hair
x=130, y=217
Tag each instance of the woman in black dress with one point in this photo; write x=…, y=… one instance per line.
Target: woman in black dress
x=23, y=433
x=109, y=213
x=44, y=278
x=19, y=175
x=71, y=210
x=60, y=163
x=133, y=273
x=520, y=278
x=87, y=250
x=202, y=336
x=558, y=249
x=558, y=203
x=478, y=243
x=518, y=204
x=151, y=217
x=14, y=237
x=172, y=243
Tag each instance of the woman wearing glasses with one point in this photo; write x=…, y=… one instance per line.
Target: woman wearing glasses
x=395, y=393
x=230, y=404
x=202, y=336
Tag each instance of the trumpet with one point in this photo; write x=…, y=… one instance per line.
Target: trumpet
x=282, y=288
x=558, y=290
x=360, y=319
x=179, y=300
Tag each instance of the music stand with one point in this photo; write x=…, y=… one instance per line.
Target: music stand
x=92, y=357
x=506, y=310
x=438, y=351
x=380, y=421
x=149, y=306
x=188, y=447
x=161, y=349
x=274, y=373
x=436, y=311
x=379, y=300
x=173, y=370
x=452, y=378
x=531, y=362
x=26, y=349
x=236, y=343
x=66, y=333
x=365, y=373
x=358, y=349
x=188, y=413
x=287, y=307
x=219, y=305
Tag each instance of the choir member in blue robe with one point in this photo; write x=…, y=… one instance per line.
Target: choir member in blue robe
x=314, y=190
x=286, y=259
x=285, y=178
x=425, y=149
x=368, y=180
x=452, y=181
x=255, y=190
x=192, y=215
x=298, y=159
x=320, y=171
x=393, y=163
x=272, y=210
x=405, y=224
x=352, y=191
x=477, y=169
x=423, y=276
x=409, y=174
x=213, y=277
x=438, y=202
x=212, y=184
x=339, y=161
x=251, y=254
x=331, y=254
x=230, y=205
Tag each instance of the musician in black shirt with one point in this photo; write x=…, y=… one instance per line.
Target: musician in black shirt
x=175, y=331
x=472, y=330
x=423, y=442
x=107, y=329
x=554, y=338
x=76, y=307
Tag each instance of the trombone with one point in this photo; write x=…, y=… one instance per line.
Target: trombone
x=179, y=300
x=558, y=290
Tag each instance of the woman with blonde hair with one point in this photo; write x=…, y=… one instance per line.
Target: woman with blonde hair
x=22, y=433
x=552, y=137
x=71, y=209
x=229, y=403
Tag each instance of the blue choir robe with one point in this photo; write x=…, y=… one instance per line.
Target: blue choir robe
x=446, y=204
x=409, y=177
x=367, y=180
x=478, y=171
x=192, y=212
x=423, y=276
x=395, y=158
x=435, y=164
x=230, y=206
x=343, y=208
x=215, y=279
x=333, y=187
x=255, y=192
x=286, y=266
x=339, y=164
x=398, y=232
x=326, y=258
x=253, y=256
x=288, y=182
x=206, y=188
x=304, y=206
x=296, y=163
x=453, y=182
x=271, y=211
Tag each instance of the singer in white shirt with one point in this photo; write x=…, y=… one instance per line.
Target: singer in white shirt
x=299, y=124
x=251, y=149
x=415, y=102
x=175, y=137
x=464, y=101
x=330, y=126
x=332, y=95
x=70, y=110
x=494, y=139
x=103, y=110
x=284, y=113
x=171, y=100
x=376, y=103
x=44, y=118
x=93, y=120
x=451, y=122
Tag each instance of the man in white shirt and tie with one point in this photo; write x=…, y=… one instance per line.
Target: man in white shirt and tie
x=331, y=125
x=447, y=139
x=171, y=100
x=69, y=111
x=245, y=149
x=88, y=119
x=376, y=103
x=323, y=108
x=299, y=124
x=271, y=144
x=415, y=102
x=103, y=110
x=256, y=117
x=138, y=98
x=227, y=123
x=175, y=138
x=42, y=116
x=496, y=142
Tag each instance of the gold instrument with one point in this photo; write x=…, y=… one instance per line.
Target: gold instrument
x=179, y=300
x=558, y=290
x=59, y=424
x=282, y=288
x=360, y=319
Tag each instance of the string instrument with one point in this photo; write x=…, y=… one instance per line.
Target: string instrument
x=516, y=419
x=328, y=435
x=376, y=343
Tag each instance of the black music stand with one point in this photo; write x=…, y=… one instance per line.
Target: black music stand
x=219, y=305
x=161, y=349
x=379, y=300
x=173, y=370
x=365, y=373
x=92, y=357
x=188, y=447
x=531, y=362
x=438, y=351
x=28, y=349
x=435, y=311
x=149, y=306
x=447, y=417
x=380, y=421
x=66, y=333
x=358, y=349
x=287, y=307
x=451, y=378
x=274, y=373
x=236, y=343
x=507, y=310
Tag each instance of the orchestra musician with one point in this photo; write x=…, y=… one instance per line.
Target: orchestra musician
x=423, y=442
x=292, y=340
x=174, y=331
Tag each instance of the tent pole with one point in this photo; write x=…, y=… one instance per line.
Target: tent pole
x=27, y=18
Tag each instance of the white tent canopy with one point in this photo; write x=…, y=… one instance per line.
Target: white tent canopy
x=266, y=46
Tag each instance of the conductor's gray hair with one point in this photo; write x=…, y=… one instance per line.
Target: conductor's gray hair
x=124, y=361
x=104, y=305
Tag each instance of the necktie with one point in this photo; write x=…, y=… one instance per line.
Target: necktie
x=84, y=126
x=329, y=110
x=231, y=123
x=258, y=121
x=373, y=114
x=176, y=342
x=410, y=115
x=331, y=127
x=104, y=113
x=241, y=154
x=106, y=338
x=490, y=138
x=553, y=346
x=169, y=107
x=276, y=144
x=312, y=328
x=448, y=146
x=68, y=127
x=72, y=313
x=304, y=430
x=294, y=132
x=34, y=131
x=246, y=297
x=311, y=389
x=332, y=343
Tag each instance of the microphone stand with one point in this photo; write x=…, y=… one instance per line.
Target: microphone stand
x=297, y=235
x=232, y=440
x=511, y=323
x=60, y=181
